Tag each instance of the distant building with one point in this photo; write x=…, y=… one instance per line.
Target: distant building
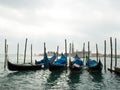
x=93, y=55
x=50, y=53
x=80, y=54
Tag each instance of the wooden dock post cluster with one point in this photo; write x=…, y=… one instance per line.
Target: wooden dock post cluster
x=24, y=52
x=116, y=69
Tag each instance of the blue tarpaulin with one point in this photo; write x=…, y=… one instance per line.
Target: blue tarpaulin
x=62, y=60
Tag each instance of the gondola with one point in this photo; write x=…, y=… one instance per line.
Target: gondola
x=76, y=64
x=94, y=66
x=117, y=70
x=45, y=61
x=22, y=67
x=59, y=64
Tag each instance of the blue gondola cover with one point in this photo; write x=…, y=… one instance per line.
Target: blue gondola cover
x=62, y=60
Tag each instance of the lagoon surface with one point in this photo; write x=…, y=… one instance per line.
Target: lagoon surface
x=63, y=80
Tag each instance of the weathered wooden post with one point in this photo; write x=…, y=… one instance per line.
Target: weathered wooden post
x=70, y=54
x=25, y=50
x=17, y=52
x=44, y=49
x=88, y=50
x=65, y=47
x=7, y=51
x=83, y=52
x=105, y=55
x=66, y=50
x=46, y=63
x=115, y=52
x=44, y=55
x=5, y=62
x=97, y=52
x=111, y=52
x=31, y=54
x=72, y=48
x=57, y=51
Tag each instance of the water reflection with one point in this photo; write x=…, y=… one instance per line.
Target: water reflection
x=53, y=79
x=20, y=73
x=74, y=79
x=22, y=79
x=96, y=77
x=117, y=78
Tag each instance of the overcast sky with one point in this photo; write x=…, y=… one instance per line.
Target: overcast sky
x=52, y=21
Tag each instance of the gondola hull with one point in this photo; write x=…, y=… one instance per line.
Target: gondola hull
x=22, y=67
x=117, y=70
x=54, y=67
x=97, y=68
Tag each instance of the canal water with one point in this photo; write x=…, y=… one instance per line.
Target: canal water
x=60, y=80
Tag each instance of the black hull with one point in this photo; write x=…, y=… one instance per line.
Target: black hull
x=117, y=70
x=53, y=67
x=22, y=67
x=75, y=69
x=97, y=68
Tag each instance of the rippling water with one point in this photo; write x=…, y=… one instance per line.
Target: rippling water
x=62, y=80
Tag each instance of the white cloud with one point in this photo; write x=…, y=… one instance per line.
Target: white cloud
x=50, y=20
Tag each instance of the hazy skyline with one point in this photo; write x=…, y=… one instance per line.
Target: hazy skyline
x=53, y=21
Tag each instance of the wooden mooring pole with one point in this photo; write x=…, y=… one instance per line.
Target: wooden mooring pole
x=17, y=52
x=57, y=51
x=44, y=55
x=7, y=51
x=70, y=54
x=65, y=47
x=115, y=52
x=66, y=50
x=44, y=49
x=5, y=62
x=31, y=54
x=83, y=52
x=105, y=55
x=97, y=52
x=72, y=48
x=88, y=50
x=25, y=50
x=111, y=52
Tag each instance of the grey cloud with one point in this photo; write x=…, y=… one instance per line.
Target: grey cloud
x=94, y=19
x=22, y=3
